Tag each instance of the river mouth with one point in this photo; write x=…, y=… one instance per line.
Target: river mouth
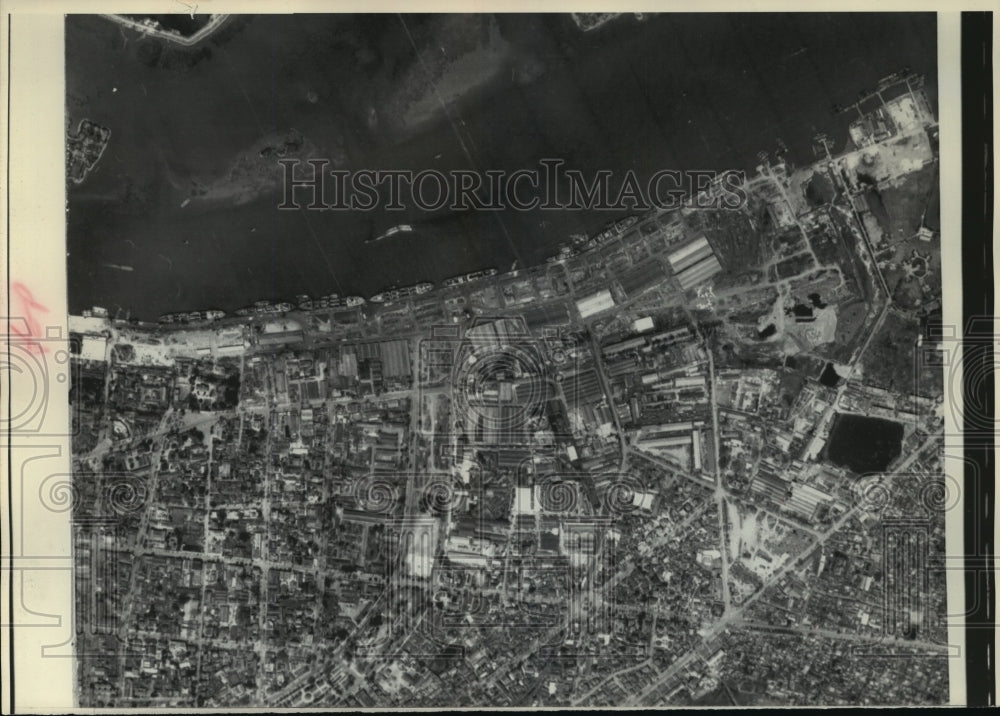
x=863, y=444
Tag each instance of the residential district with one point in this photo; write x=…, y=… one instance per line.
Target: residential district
x=696, y=460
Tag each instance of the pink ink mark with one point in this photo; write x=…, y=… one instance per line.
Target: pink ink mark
x=26, y=308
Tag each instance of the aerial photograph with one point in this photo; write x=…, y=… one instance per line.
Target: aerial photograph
x=506, y=360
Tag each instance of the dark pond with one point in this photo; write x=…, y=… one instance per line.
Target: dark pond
x=767, y=332
x=829, y=378
x=863, y=444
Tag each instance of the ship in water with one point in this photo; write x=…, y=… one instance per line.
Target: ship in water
x=565, y=253
x=399, y=229
x=394, y=294
x=192, y=316
x=329, y=301
x=265, y=308
x=611, y=230
x=305, y=302
x=466, y=278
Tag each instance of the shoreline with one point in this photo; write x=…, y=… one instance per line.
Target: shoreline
x=323, y=253
x=214, y=23
x=594, y=243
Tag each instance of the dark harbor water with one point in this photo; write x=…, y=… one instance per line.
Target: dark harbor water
x=863, y=444
x=673, y=91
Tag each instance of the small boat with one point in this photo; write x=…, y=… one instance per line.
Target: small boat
x=401, y=228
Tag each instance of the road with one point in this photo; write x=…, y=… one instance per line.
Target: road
x=720, y=491
x=871, y=640
x=214, y=23
x=609, y=397
x=734, y=616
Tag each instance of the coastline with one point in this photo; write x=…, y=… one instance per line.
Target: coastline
x=214, y=23
x=262, y=252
